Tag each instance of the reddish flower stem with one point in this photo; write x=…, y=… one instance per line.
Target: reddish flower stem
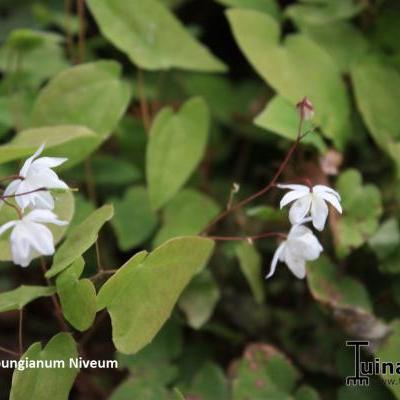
x=268, y=187
x=8, y=196
x=7, y=351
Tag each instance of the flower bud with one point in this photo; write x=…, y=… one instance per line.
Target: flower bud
x=305, y=109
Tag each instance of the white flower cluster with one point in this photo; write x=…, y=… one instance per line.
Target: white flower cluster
x=301, y=245
x=31, y=190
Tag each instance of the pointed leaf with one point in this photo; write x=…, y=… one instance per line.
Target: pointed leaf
x=46, y=383
x=199, y=299
x=300, y=68
x=148, y=33
x=186, y=214
x=177, y=143
x=71, y=141
x=77, y=296
x=250, y=264
x=142, y=294
x=18, y=298
x=134, y=206
x=92, y=95
x=80, y=239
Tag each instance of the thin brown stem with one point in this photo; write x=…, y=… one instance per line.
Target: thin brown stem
x=9, y=196
x=56, y=305
x=103, y=273
x=82, y=30
x=20, y=327
x=261, y=192
x=249, y=238
x=98, y=257
x=8, y=351
x=144, y=107
x=90, y=183
x=70, y=43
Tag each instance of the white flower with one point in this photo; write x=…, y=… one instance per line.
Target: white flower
x=30, y=237
x=36, y=173
x=310, y=199
x=300, y=246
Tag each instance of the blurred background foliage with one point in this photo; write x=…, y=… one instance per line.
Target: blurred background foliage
x=233, y=334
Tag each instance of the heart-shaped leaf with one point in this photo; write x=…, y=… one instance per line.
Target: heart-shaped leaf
x=148, y=33
x=177, y=143
x=142, y=294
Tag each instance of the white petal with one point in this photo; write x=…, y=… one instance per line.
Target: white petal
x=307, y=247
x=294, y=186
x=7, y=226
x=38, y=236
x=291, y=196
x=275, y=259
x=299, y=209
x=331, y=199
x=44, y=216
x=296, y=264
x=298, y=231
x=23, y=200
x=21, y=252
x=319, y=212
x=43, y=200
x=45, y=178
x=48, y=162
x=325, y=189
x=25, y=168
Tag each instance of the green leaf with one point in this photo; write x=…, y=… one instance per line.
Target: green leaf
x=134, y=220
x=250, y=262
x=300, y=68
x=177, y=143
x=64, y=209
x=199, y=299
x=209, y=383
x=281, y=117
x=329, y=286
x=47, y=383
x=265, y=373
x=148, y=33
x=142, y=293
x=270, y=7
x=72, y=141
x=379, y=111
x=321, y=12
x=343, y=41
x=188, y=213
x=347, y=298
x=306, y=393
x=108, y=171
x=388, y=351
x=77, y=296
x=155, y=362
x=18, y=298
x=92, y=95
x=80, y=239
x=385, y=243
x=357, y=223
x=133, y=388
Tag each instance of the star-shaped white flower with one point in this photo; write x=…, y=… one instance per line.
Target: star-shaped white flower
x=30, y=237
x=300, y=246
x=310, y=200
x=36, y=173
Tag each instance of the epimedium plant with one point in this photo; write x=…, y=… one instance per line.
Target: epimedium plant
x=100, y=145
